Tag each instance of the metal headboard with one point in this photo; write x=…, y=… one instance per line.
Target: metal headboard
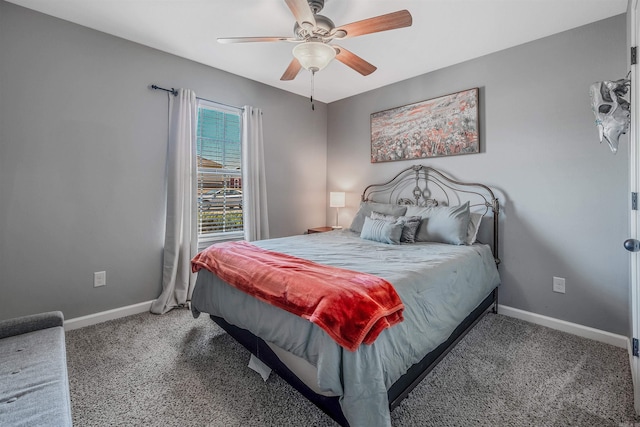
x=421, y=185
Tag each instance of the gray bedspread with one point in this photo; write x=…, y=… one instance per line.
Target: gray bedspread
x=439, y=285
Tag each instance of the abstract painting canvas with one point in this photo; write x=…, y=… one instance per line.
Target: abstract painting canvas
x=443, y=126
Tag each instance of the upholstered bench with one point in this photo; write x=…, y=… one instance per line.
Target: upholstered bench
x=34, y=387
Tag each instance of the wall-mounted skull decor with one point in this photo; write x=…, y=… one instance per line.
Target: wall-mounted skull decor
x=611, y=109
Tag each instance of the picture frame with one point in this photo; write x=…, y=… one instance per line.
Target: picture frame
x=442, y=126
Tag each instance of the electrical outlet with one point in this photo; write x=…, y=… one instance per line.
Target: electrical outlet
x=99, y=279
x=558, y=284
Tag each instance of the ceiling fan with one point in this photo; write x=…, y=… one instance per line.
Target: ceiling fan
x=313, y=32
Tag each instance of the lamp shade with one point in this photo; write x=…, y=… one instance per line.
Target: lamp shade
x=314, y=56
x=336, y=199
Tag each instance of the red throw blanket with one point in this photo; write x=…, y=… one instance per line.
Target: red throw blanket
x=351, y=307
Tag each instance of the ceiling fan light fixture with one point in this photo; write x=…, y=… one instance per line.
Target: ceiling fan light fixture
x=314, y=56
x=339, y=34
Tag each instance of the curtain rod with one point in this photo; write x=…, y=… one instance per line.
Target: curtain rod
x=174, y=92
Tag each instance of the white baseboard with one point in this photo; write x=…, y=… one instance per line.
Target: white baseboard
x=561, y=325
x=550, y=322
x=103, y=316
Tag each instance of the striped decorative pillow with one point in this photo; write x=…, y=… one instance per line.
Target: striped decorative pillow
x=410, y=225
x=381, y=231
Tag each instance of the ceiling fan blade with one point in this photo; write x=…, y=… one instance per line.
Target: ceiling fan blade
x=292, y=70
x=390, y=21
x=354, y=61
x=228, y=40
x=302, y=12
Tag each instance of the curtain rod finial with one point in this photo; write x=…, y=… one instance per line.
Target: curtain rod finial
x=173, y=91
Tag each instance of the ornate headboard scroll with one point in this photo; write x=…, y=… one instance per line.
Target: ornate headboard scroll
x=422, y=185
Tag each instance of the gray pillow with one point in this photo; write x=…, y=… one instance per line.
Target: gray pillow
x=444, y=224
x=381, y=231
x=410, y=225
x=367, y=207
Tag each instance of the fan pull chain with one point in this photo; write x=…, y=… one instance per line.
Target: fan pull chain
x=313, y=73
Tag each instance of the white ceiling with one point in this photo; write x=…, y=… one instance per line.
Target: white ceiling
x=444, y=32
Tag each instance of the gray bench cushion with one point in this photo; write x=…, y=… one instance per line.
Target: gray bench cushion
x=33, y=375
x=33, y=322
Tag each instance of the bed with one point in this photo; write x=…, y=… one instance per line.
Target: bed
x=446, y=280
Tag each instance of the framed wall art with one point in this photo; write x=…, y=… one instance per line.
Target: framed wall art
x=443, y=126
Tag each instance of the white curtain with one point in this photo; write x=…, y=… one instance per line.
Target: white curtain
x=254, y=185
x=180, y=241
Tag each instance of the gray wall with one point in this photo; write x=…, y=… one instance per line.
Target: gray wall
x=83, y=143
x=565, y=196
x=82, y=162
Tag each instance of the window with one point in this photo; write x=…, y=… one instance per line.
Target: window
x=219, y=164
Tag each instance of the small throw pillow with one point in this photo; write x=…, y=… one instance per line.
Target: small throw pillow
x=410, y=229
x=444, y=224
x=410, y=225
x=381, y=231
x=367, y=207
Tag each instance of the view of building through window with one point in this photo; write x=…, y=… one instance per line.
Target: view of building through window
x=219, y=163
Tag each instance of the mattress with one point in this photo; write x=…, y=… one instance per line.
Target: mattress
x=439, y=285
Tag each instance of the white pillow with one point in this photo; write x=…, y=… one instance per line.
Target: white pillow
x=474, y=226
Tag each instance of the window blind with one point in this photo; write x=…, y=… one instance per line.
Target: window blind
x=219, y=165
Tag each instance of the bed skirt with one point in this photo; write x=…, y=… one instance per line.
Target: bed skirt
x=397, y=392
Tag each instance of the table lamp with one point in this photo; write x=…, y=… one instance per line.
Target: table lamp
x=336, y=200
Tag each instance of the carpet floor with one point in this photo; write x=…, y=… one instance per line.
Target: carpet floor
x=173, y=370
